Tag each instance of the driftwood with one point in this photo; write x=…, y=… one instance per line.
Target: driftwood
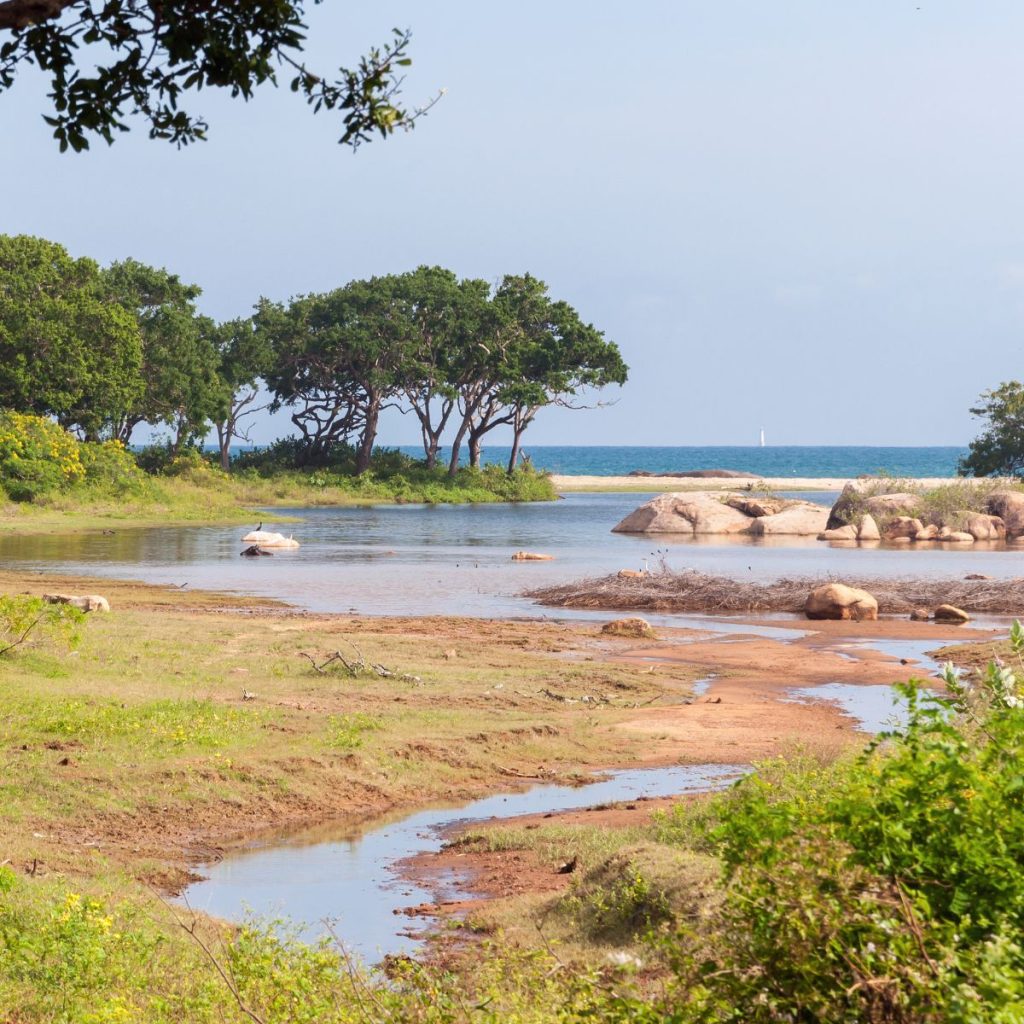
x=693, y=591
x=357, y=667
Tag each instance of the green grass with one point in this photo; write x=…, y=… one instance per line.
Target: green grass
x=206, y=495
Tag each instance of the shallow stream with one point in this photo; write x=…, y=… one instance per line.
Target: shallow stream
x=349, y=877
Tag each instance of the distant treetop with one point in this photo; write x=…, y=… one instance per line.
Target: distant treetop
x=111, y=61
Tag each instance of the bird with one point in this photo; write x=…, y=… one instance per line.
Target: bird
x=260, y=527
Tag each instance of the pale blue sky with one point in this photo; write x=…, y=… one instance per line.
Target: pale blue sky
x=802, y=215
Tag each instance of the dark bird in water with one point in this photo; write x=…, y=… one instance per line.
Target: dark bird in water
x=260, y=527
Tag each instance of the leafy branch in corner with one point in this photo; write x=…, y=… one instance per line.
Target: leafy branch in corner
x=143, y=55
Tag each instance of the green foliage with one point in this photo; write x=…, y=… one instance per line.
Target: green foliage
x=36, y=457
x=178, y=380
x=142, y=65
x=999, y=449
x=110, y=469
x=347, y=732
x=888, y=889
x=65, y=351
x=30, y=621
x=158, y=725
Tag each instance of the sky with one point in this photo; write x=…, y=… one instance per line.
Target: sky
x=802, y=215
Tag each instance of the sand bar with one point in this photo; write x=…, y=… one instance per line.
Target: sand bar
x=776, y=483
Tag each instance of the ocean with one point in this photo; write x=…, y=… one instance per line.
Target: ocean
x=770, y=461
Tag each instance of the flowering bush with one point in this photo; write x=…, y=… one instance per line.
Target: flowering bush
x=36, y=456
x=110, y=466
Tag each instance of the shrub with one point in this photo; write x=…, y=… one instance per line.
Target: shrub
x=36, y=457
x=110, y=467
x=26, y=621
x=890, y=890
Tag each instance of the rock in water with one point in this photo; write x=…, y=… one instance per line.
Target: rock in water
x=951, y=614
x=798, y=519
x=838, y=601
x=920, y=615
x=867, y=529
x=1009, y=507
x=531, y=556
x=848, y=532
x=710, y=512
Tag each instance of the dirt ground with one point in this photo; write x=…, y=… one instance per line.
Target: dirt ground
x=743, y=716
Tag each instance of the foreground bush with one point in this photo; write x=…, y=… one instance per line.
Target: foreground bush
x=890, y=889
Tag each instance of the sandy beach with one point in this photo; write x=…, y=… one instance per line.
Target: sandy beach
x=669, y=483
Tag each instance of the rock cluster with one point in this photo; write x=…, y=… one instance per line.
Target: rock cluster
x=857, y=517
x=710, y=512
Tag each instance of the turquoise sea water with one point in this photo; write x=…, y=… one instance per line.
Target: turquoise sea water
x=771, y=461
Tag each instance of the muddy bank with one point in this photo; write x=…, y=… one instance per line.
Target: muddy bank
x=693, y=591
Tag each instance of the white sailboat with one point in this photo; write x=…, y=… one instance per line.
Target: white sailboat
x=762, y=437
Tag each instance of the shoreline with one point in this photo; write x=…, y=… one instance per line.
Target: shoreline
x=566, y=483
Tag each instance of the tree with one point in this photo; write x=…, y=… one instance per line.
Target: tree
x=65, y=350
x=542, y=354
x=118, y=59
x=446, y=315
x=244, y=357
x=179, y=382
x=999, y=450
x=338, y=361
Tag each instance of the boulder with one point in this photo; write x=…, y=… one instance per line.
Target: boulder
x=883, y=505
x=848, y=532
x=852, y=500
x=531, y=556
x=958, y=537
x=920, y=615
x=983, y=527
x=798, y=519
x=867, y=528
x=899, y=540
x=929, y=532
x=838, y=601
x=632, y=627
x=951, y=614
x=699, y=512
x=903, y=526
x=1009, y=507
x=756, y=507
x=709, y=512
x=85, y=603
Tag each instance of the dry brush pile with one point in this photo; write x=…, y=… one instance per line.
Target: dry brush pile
x=693, y=591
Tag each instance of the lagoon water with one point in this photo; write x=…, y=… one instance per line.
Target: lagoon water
x=430, y=560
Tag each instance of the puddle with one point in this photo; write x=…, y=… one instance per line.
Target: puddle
x=875, y=707
x=349, y=878
x=701, y=686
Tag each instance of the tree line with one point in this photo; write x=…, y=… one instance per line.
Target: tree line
x=103, y=350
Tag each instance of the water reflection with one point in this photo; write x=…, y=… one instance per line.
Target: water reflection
x=415, y=559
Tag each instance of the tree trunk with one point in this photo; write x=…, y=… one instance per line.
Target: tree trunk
x=514, y=457
x=453, y=462
x=224, y=435
x=367, y=438
x=475, y=447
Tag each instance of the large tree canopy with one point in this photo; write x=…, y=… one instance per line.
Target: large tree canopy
x=65, y=350
x=179, y=384
x=118, y=59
